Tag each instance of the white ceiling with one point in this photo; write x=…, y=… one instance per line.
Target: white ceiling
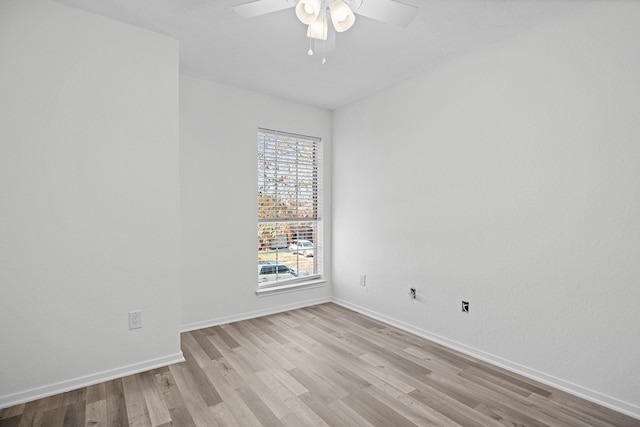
x=268, y=53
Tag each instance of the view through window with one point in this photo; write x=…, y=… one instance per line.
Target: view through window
x=289, y=204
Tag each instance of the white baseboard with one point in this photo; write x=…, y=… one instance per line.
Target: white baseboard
x=84, y=381
x=585, y=393
x=252, y=314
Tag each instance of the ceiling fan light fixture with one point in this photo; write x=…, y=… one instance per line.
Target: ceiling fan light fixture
x=316, y=13
x=307, y=11
x=318, y=28
x=342, y=16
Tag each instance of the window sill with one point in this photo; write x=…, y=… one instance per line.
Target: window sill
x=292, y=287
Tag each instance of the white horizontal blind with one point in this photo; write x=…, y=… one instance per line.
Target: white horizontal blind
x=289, y=206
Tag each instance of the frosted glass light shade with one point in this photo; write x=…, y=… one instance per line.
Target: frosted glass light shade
x=342, y=16
x=318, y=28
x=307, y=11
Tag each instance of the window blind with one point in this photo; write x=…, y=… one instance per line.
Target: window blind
x=289, y=206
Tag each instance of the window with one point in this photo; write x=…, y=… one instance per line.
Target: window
x=289, y=208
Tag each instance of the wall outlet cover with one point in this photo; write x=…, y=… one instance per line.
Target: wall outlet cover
x=135, y=319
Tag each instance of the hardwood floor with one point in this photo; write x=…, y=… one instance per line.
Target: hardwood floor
x=317, y=366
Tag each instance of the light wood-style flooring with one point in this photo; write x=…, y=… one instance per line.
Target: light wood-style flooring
x=316, y=366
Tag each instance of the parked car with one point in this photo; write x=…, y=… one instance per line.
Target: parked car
x=268, y=272
x=302, y=247
x=298, y=273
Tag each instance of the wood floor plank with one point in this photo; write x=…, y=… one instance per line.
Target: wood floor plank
x=255, y=386
x=96, y=393
x=189, y=343
x=508, y=417
x=458, y=413
x=254, y=326
x=289, y=381
x=158, y=411
x=303, y=418
x=429, y=361
x=13, y=421
x=321, y=366
x=367, y=373
x=274, y=352
x=185, y=383
x=205, y=388
x=75, y=396
x=222, y=368
x=202, y=338
x=116, y=407
x=592, y=410
x=347, y=413
x=286, y=319
x=422, y=411
x=137, y=412
x=169, y=390
x=54, y=402
x=258, y=407
x=221, y=331
x=493, y=383
x=363, y=321
x=378, y=368
x=511, y=378
x=268, y=330
x=509, y=406
x=202, y=415
x=96, y=413
x=250, y=333
x=571, y=416
x=404, y=364
x=409, y=408
x=180, y=416
x=375, y=411
x=74, y=414
x=12, y=411
x=53, y=417
x=240, y=411
x=314, y=384
x=453, y=390
x=31, y=419
x=299, y=414
x=323, y=410
x=223, y=415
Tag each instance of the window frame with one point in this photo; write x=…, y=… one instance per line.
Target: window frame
x=315, y=145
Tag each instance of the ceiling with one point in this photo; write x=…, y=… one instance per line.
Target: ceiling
x=268, y=53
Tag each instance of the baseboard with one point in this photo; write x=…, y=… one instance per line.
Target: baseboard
x=574, y=389
x=252, y=314
x=84, y=381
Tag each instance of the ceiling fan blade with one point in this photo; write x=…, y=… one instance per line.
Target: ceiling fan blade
x=261, y=7
x=391, y=11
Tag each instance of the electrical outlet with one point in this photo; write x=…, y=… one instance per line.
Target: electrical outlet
x=465, y=306
x=135, y=319
x=363, y=280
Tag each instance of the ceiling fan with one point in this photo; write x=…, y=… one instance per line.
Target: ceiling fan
x=317, y=13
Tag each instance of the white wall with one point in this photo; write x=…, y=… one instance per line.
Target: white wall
x=510, y=178
x=218, y=149
x=89, y=198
